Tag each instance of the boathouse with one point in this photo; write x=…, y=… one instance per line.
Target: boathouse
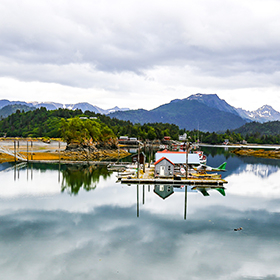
x=142, y=158
x=164, y=167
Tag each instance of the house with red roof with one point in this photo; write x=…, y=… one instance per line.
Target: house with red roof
x=164, y=167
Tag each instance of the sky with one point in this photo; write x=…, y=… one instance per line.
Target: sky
x=140, y=54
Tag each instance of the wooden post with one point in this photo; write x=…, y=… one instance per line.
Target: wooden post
x=143, y=194
x=15, y=151
x=144, y=162
x=118, y=153
x=15, y=172
x=27, y=153
x=31, y=150
x=59, y=151
x=152, y=151
x=137, y=200
x=187, y=160
x=138, y=161
x=186, y=197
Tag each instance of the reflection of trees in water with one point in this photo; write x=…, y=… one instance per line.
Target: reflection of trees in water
x=76, y=177
x=213, y=151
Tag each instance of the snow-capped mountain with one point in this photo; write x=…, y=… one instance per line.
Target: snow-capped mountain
x=84, y=106
x=264, y=114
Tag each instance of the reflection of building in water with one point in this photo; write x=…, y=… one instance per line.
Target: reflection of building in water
x=163, y=191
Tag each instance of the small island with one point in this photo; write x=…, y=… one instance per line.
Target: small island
x=273, y=154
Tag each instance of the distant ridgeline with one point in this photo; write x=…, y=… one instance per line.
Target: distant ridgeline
x=10, y=109
x=204, y=112
x=188, y=114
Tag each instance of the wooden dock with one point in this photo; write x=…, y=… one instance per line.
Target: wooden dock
x=149, y=181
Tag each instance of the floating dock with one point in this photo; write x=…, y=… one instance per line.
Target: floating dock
x=146, y=181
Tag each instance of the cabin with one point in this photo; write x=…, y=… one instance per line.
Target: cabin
x=166, y=138
x=183, y=137
x=142, y=158
x=164, y=167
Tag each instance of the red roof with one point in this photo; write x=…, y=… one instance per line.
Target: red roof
x=163, y=159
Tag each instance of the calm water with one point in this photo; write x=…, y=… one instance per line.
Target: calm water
x=67, y=222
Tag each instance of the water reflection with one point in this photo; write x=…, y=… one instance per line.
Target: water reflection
x=76, y=177
x=166, y=191
x=46, y=234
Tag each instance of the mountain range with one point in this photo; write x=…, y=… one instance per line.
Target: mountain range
x=206, y=112
x=84, y=106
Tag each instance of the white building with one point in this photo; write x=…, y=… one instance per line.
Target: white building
x=178, y=157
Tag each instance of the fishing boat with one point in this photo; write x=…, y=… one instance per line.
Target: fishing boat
x=127, y=173
x=202, y=157
x=116, y=167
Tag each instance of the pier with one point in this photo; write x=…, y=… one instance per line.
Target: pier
x=147, y=178
x=150, y=181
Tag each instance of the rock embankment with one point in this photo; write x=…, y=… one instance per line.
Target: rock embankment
x=93, y=156
x=93, y=152
x=257, y=153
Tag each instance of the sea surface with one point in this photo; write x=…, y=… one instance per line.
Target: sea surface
x=78, y=222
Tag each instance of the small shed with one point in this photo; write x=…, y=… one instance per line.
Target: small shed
x=142, y=158
x=164, y=167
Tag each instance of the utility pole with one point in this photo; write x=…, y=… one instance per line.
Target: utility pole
x=138, y=160
x=188, y=148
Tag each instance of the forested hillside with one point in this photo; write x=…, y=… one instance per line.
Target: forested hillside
x=10, y=109
x=256, y=132
x=187, y=114
x=43, y=123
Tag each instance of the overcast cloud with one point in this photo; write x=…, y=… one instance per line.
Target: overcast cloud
x=140, y=54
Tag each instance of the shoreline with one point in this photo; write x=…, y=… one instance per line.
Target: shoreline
x=53, y=151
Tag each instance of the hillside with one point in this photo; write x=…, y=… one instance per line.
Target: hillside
x=255, y=128
x=188, y=114
x=10, y=109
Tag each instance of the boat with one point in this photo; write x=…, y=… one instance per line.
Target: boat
x=116, y=167
x=129, y=172
x=205, y=175
x=202, y=157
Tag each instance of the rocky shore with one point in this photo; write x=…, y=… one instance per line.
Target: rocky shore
x=61, y=151
x=257, y=153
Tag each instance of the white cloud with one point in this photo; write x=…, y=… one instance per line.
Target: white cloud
x=127, y=52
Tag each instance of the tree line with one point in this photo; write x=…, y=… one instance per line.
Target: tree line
x=53, y=123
